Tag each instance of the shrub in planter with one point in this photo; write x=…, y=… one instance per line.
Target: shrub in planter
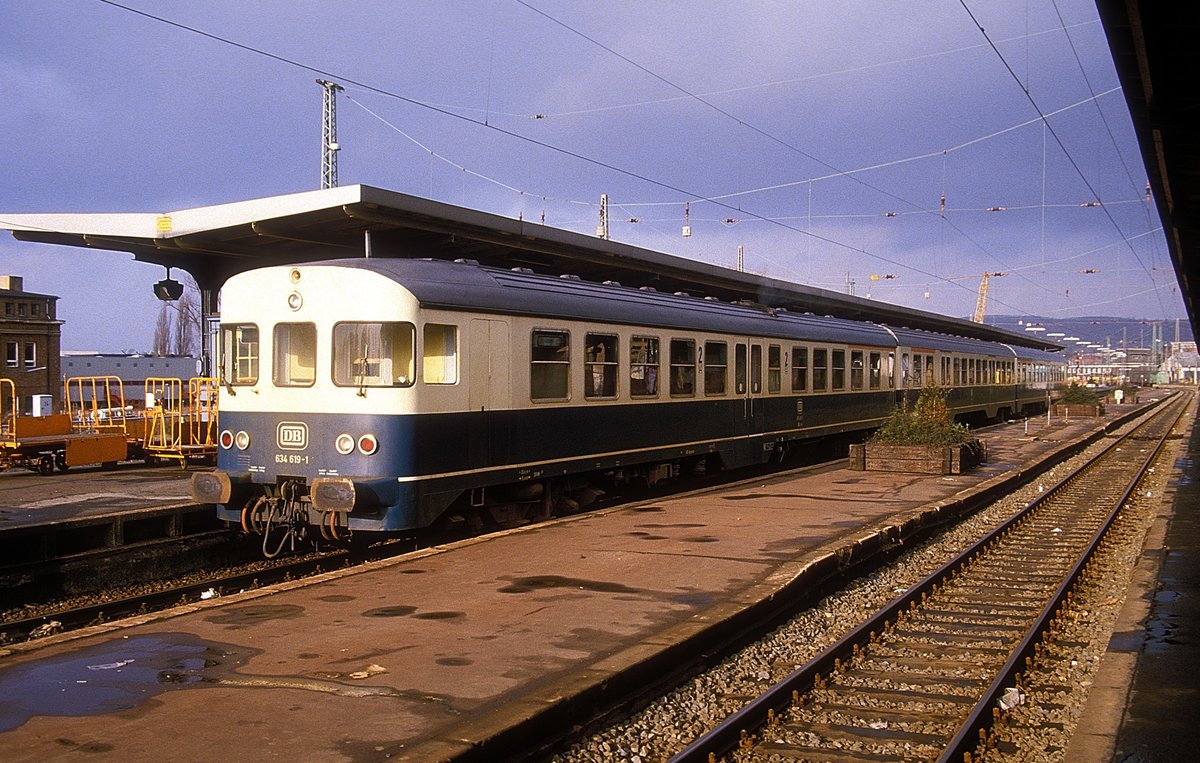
x=920, y=438
x=1077, y=400
x=927, y=422
x=1077, y=394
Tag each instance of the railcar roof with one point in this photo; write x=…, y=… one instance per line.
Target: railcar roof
x=462, y=285
x=929, y=340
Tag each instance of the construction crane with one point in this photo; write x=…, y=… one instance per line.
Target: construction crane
x=981, y=300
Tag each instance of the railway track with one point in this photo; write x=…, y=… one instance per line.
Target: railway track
x=921, y=678
x=102, y=608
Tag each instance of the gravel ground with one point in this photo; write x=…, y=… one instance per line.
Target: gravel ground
x=671, y=722
x=1054, y=693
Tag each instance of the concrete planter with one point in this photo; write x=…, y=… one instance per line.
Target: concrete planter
x=918, y=459
x=1077, y=410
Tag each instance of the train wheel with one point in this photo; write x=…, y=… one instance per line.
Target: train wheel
x=60, y=461
x=46, y=464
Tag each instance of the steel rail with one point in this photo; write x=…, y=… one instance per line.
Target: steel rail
x=981, y=716
x=731, y=732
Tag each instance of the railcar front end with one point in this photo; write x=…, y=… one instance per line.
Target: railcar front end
x=317, y=429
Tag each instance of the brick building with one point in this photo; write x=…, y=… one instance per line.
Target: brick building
x=30, y=338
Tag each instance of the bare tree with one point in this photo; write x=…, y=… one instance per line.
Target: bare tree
x=187, y=323
x=162, y=331
x=177, y=330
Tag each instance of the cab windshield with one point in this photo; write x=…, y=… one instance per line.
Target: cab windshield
x=373, y=354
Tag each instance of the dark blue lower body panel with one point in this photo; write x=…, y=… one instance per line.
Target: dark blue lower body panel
x=425, y=462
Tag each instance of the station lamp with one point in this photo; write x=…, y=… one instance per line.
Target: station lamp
x=168, y=289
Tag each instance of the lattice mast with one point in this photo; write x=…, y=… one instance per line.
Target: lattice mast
x=329, y=142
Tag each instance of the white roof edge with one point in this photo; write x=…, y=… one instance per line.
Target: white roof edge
x=183, y=221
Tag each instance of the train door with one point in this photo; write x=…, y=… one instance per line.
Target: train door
x=748, y=383
x=489, y=384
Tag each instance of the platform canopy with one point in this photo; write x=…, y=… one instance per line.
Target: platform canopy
x=1158, y=62
x=213, y=243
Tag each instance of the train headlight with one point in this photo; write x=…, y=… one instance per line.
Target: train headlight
x=367, y=444
x=226, y=439
x=295, y=301
x=344, y=444
x=242, y=440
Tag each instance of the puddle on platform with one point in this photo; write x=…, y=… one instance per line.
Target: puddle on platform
x=117, y=675
x=1126, y=641
x=684, y=525
x=541, y=582
x=439, y=615
x=336, y=597
x=648, y=509
x=244, y=617
x=697, y=600
x=413, y=572
x=454, y=661
x=399, y=611
x=701, y=539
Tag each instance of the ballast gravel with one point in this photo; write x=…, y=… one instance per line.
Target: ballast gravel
x=1037, y=728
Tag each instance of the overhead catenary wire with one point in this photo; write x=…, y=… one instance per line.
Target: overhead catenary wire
x=810, y=235
x=765, y=134
x=512, y=134
x=1062, y=146
x=792, y=80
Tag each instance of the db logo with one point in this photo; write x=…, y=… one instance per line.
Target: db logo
x=292, y=435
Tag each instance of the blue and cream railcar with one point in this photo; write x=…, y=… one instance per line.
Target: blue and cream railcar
x=985, y=380
x=384, y=394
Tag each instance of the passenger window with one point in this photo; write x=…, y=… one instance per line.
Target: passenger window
x=799, y=369
x=643, y=366
x=929, y=370
x=875, y=378
x=600, y=358
x=239, y=353
x=295, y=354
x=550, y=365
x=820, y=369
x=716, y=362
x=739, y=369
x=439, y=361
x=373, y=354
x=958, y=372
x=916, y=370
x=683, y=367
x=856, y=369
x=774, y=369
x=839, y=369
x=756, y=369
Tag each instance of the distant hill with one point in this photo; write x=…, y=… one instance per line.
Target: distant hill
x=1103, y=330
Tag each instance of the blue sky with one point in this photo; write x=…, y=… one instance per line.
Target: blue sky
x=807, y=123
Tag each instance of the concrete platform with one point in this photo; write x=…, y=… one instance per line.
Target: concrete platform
x=419, y=658
x=45, y=518
x=28, y=499
x=1145, y=706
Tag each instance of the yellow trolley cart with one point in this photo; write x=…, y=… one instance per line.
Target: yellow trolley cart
x=179, y=427
x=57, y=441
